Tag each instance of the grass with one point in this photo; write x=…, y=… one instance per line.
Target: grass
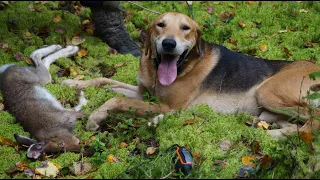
x=287, y=29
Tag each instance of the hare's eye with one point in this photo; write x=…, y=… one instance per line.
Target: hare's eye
x=185, y=27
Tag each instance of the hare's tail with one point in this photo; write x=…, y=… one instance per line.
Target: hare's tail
x=3, y=68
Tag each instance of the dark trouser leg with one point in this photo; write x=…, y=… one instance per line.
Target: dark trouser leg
x=110, y=27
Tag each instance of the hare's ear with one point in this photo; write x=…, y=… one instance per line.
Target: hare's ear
x=35, y=150
x=24, y=140
x=147, y=44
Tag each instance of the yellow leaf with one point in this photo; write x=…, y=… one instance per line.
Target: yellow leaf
x=263, y=124
x=249, y=2
x=56, y=164
x=79, y=77
x=50, y=170
x=231, y=5
x=123, y=145
x=57, y=18
x=248, y=160
x=307, y=137
x=89, y=31
x=21, y=166
x=263, y=48
x=85, y=21
x=77, y=40
x=110, y=158
x=73, y=70
x=241, y=23
x=82, y=53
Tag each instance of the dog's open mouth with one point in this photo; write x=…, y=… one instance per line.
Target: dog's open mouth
x=168, y=65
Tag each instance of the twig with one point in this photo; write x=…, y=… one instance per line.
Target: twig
x=171, y=172
x=143, y=7
x=190, y=9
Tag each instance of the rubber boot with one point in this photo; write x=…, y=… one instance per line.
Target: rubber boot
x=109, y=26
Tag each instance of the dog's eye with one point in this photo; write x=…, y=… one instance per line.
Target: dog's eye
x=185, y=27
x=160, y=24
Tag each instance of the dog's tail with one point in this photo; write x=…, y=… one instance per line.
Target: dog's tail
x=3, y=68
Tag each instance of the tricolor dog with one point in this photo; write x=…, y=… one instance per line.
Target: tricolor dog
x=183, y=70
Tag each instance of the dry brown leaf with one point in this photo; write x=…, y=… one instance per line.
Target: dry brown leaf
x=4, y=45
x=190, y=121
x=255, y=147
x=248, y=160
x=266, y=161
x=225, y=145
x=77, y=40
x=307, y=137
x=151, y=150
x=57, y=18
x=210, y=10
x=232, y=6
x=21, y=166
x=79, y=77
x=81, y=168
x=303, y=10
x=241, y=23
x=60, y=30
x=31, y=7
x=29, y=61
x=124, y=145
x=219, y=163
x=82, y=53
x=249, y=2
x=19, y=56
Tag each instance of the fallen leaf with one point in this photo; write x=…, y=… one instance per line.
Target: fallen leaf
x=248, y=160
x=60, y=30
x=255, y=147
x=31, y=7
x=234, y=42
x=57, y=18
x=27, y=35
x=119, y=64
x=48, y=169
x=210, y=10
x=303, y=10
x=151, y=150
x=124, y=145
x=5, y=2
x=266, y=161
x=113, y=51
x=112, y=158
x=81, y=168
x=263, y=124
x=190, y=121
x=21, y=166
x=82, y=53
x=226, y=16
x=241, y=23
x=283, y=31
x=85, y=21
x=232, y=6
x=73, y=70
x=249, y=2
x=307, y=137
x=287, y=53
x=253, y=35
x=39, y=9
x=77, y=40
x=29, y=61
x=4, y=45
x=225, y=145
x=19, y=56
x=219, y=164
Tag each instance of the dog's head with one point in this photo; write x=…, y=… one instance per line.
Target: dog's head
x=170, y=39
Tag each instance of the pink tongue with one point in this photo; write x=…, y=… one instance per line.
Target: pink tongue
x=167, y=70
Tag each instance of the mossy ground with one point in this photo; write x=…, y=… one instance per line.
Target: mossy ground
x=287, y=32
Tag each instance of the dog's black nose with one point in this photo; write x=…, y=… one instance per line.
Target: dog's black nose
x=169, y=44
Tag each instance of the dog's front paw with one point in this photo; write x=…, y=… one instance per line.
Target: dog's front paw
x=92, y=126
x=155, y=121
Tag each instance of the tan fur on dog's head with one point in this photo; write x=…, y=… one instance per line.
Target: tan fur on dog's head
x=174, y=24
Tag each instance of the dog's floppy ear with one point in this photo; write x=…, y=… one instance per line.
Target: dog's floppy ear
x=147, y=44
x=198, y=41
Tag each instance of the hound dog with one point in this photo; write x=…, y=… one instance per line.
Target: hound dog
x=183, y=70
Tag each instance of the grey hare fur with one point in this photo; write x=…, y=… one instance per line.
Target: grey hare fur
x=35, y=108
